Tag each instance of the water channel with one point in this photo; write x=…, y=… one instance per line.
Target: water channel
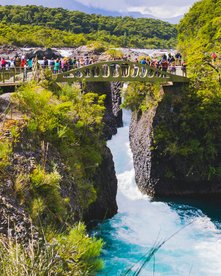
x=140, y=222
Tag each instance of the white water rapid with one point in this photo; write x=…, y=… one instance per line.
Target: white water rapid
x=195, y=250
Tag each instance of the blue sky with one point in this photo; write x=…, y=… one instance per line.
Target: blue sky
x=156, y=8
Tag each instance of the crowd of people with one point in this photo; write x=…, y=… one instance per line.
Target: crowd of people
x=165, y=62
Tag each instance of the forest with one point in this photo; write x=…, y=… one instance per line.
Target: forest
x=40, y=26
x=194, y=134
x=190, y=134
x=200, y=32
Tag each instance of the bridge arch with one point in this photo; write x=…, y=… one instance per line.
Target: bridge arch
x=125, y=71
x=105, y=71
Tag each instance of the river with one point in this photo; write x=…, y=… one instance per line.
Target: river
x=140, y=222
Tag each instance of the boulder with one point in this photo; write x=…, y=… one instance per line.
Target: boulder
x=4, y=102
x=40, y=53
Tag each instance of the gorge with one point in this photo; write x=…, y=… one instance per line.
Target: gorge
x=67, y=206
x=141, y=223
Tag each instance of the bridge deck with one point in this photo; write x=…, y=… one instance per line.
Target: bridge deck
x=107, y=71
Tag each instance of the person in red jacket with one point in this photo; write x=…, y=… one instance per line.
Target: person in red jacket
x=23, y=63
x=3, y=63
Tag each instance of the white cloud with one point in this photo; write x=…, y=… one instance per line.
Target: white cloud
x=111, y=5
x=157, y=8
x=168, y=11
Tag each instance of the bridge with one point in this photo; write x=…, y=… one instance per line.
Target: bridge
x=106, y=71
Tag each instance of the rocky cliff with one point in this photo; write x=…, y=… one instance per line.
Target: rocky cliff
x=106, y=186
x=27, y=154
x=167, y=161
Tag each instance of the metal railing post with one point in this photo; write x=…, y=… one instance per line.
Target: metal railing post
x=14, y=72
x=3, y=75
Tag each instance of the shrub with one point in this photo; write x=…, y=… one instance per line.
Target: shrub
x=5, y=151
x=141, y=96
x=46, y=201
x=72, y=254
x=114, y=53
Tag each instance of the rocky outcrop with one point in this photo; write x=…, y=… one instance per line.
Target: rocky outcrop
x=116, y=102
x=105, y=180
x=41, y=53
x=140, y=136
x=105, y=183
x=113, y=114
x=28, y=153
x=162, y=174
x=9, y=51
x=26, y=156
x=5, y=103
x=14, y=221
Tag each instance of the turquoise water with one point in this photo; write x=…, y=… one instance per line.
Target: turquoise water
x=140, y=222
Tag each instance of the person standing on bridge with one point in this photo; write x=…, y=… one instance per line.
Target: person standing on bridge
x=45, y=63
x=165, y=65
x=136, y=68
x=171, y=59
x=57, y=66
x=30, y=63
x=178, y=57
x=51, y=64
x=17, y=62
x=143, y=62
x=23, y=63
x=183, y=68
x=3, y=63
x=78, y=63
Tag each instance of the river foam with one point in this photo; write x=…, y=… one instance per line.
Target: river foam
x=195, y=250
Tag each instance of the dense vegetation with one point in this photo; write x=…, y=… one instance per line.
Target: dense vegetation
x=21, y=35
x=65, y=126
x=187, y=134
x=192, y=131
x=80, y=28
x=200, y=34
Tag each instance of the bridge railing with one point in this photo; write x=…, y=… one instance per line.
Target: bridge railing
x=13, y=75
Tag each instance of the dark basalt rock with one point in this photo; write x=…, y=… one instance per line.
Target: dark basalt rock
x=105, y=183
x=116, y=102
x=40, y=53
x=5, y=102
x=105, y=179
x=161, y=175
x=140, y=141
x=14, y=221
